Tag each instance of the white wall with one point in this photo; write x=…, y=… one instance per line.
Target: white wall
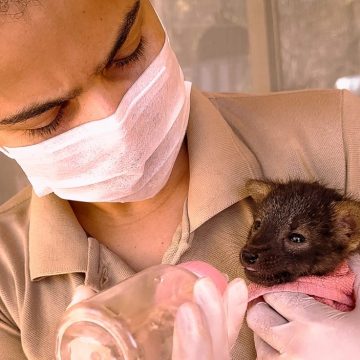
x=210, y=38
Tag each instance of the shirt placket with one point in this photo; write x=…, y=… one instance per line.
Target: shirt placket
x=181, y=240
x=96, y=273
x=104, y=268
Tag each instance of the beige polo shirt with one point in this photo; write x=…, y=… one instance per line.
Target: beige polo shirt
x=45, y=254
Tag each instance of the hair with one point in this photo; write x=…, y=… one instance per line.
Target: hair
x=15, y=8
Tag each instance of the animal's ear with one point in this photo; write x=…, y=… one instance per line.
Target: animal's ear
x=347, y=221
x=258, y=189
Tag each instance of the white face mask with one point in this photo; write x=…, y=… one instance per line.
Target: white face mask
x=125, y=157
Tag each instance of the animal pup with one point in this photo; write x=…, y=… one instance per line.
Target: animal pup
x=300, y=228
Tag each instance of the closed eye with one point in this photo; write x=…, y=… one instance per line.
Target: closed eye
x=49, y=129
x=132, y=58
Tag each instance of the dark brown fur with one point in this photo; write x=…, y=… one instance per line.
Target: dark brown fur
x=300, y=228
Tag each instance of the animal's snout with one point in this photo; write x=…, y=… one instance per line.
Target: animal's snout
x=249, y=257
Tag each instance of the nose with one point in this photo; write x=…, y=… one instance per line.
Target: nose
x=99, y=101
x=249, y=257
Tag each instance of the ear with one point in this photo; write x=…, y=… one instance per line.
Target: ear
x=258, y=189
x=347, y=221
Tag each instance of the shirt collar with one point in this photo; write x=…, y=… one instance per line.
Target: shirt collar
x=57, y=242
x=219, y=166
x=219, y=162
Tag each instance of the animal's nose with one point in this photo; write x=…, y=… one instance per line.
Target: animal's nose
x=249, y=257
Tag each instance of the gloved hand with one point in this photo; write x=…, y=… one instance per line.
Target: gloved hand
x=296, y=326
x=207, y=328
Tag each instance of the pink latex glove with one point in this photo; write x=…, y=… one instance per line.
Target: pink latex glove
x=296, y=326
x=207, y=328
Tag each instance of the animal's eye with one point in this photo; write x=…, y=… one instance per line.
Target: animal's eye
x=296, y=238
x=257, y=224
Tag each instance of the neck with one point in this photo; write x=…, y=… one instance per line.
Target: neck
x=103, y=220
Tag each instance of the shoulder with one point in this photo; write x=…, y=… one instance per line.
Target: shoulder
x=325, y=105
x=14, y=229
x=305, y=134
x=22, y=198
x=14, y=216
x=315, y=96
x=278, y=117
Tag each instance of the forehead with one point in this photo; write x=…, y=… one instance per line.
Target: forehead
x=54, y=45
x=295, y=206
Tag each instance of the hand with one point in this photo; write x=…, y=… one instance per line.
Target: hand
x=296, y=326
x=207, y=328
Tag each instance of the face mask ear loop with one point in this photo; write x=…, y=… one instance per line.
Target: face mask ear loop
x=162, y=25
x=161, y=22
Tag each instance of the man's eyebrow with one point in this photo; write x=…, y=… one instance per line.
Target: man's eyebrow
x=38, y=109
x=123, y=33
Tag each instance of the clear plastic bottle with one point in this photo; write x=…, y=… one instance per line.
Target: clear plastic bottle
x=133, y=320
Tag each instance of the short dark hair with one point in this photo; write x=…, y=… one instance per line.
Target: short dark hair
x=15, y=8
x=4, y=5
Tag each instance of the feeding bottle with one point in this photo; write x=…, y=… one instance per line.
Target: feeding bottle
x=134, y=319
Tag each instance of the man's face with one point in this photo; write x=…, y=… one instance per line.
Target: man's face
x=64, y=63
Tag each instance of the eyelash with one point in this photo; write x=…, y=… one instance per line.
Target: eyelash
x=132, y=58
x=121, y=63
x=50, y=128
